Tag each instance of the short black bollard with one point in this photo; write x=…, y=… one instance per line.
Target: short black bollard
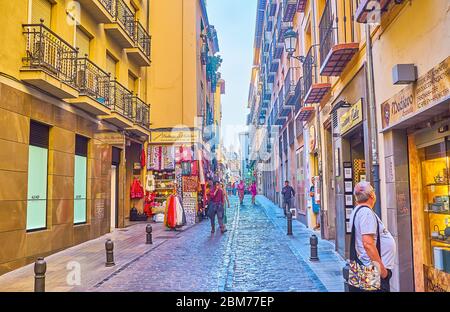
x=289, y=223
x=109, y=246
x=149, y=231
x=314, y=242
x=345, y=274
x=40, y=267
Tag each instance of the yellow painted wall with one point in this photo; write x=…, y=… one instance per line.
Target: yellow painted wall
x=174, y=76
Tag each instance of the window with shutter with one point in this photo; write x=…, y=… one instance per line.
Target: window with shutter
x=83, y=42
x=111, y=65
x=37, y=177
x=41, y=9
x=80, y=180
x=132, y=86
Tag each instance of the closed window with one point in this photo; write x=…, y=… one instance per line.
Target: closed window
x=111, y=65
x=37, y=177
x=83, y=43
x=41, y=9
x=80, y=180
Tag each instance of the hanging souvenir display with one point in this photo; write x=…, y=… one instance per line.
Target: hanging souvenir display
x=153, y=154
x=179, y=179
x=136, y=191
x=186, y=168
x=194, y=168
x=143, y=160
x=167, y=158
x=150, y=183
x=190, y=206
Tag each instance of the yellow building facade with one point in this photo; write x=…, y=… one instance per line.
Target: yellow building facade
x=75, y=116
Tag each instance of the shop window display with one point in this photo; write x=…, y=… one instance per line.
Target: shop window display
x=435, y=167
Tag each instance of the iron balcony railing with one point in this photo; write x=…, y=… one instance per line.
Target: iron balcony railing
x=143, y=39
x=121, y=100
x=309, y=66
x=46, y=51
x=125, y=17
x=289, y=87
x=110, y=6
x=326, y=31
x=300, y=93
x=93, y=81
x=141, y=113
x=290, y=8
x=337, y=28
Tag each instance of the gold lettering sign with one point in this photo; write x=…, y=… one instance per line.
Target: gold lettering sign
x=173, y=137
x=430, y=88
x=351, y=118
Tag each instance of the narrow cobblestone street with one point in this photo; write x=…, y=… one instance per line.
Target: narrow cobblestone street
x=253, y=255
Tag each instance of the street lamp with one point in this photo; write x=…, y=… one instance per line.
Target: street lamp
x=290, y=44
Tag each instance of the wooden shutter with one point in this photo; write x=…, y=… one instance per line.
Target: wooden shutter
x=111, y=66
x=83, y=43
x=131, y=83
x=41, y=9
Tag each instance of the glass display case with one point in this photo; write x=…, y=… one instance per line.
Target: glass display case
x=435, y=167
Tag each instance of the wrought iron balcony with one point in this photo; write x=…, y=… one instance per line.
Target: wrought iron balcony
x=272, y=7
x=337, y=39
x=299, y=94
x=143, y=39
x=284, y=110
x=314, y=90
x=123, y=28
x=93, y=81
x=48, y=54
x=94, y=86
x=141, y=113
x=121, y=100
x=103, y=11
x=290, y=8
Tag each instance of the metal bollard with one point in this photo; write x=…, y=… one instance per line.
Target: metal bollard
x=289, y=223
x=314, y=242
x=109, y=246
x=149, y=231
x=345, y=274
x=40, y=267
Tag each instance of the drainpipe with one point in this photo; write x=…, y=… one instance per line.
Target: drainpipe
x=317, y=113
x=375, y=167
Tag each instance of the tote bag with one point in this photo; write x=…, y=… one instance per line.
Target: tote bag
x=361, y=276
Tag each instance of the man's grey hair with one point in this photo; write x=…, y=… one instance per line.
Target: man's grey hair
x=362, y=192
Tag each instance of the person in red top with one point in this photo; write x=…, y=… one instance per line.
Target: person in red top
x=216, y=206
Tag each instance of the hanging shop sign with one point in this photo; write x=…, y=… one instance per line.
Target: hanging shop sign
x=352, y=118
x=166, y=137
x=430, y=88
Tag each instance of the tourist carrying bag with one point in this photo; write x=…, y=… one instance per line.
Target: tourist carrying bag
x=360, y=276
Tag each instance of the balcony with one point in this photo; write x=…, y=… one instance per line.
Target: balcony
x=290, y=89
x=299, y=93
x=272, y=7
x=140, y=54
x=314, y=90
x=122, y=29
x=290, y=8
x=301, y=5
x=337, y=46
x=121, y=104
x=283, y=110
x=50, y=63
x=141, y=117
x=306, y=113
x=103, y=11
x=366, y=7
x=93, y=83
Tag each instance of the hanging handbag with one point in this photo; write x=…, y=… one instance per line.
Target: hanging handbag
x=364, y=277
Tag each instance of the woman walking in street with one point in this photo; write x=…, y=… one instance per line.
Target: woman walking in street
x=253, y=191
x=241, y=191
x=226, y=204
x=216, y=200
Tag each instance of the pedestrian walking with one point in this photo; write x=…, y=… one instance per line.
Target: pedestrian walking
x=241, y=191
x=254, y=191
x=226, y=204
x=288, y=194
x=315, y=204
x=216, y=207
x=372, y=247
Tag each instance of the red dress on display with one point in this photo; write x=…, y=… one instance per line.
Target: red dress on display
x=136, y=191
x=171, y=212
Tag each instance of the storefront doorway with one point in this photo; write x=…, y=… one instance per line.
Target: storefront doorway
x=114, y=221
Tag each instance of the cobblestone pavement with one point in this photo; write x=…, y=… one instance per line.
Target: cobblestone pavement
x=254, y=255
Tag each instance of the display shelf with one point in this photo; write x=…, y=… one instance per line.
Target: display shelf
x=446, y=241
x=440, y=213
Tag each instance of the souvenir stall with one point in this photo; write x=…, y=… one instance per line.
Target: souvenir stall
x=135, y=153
